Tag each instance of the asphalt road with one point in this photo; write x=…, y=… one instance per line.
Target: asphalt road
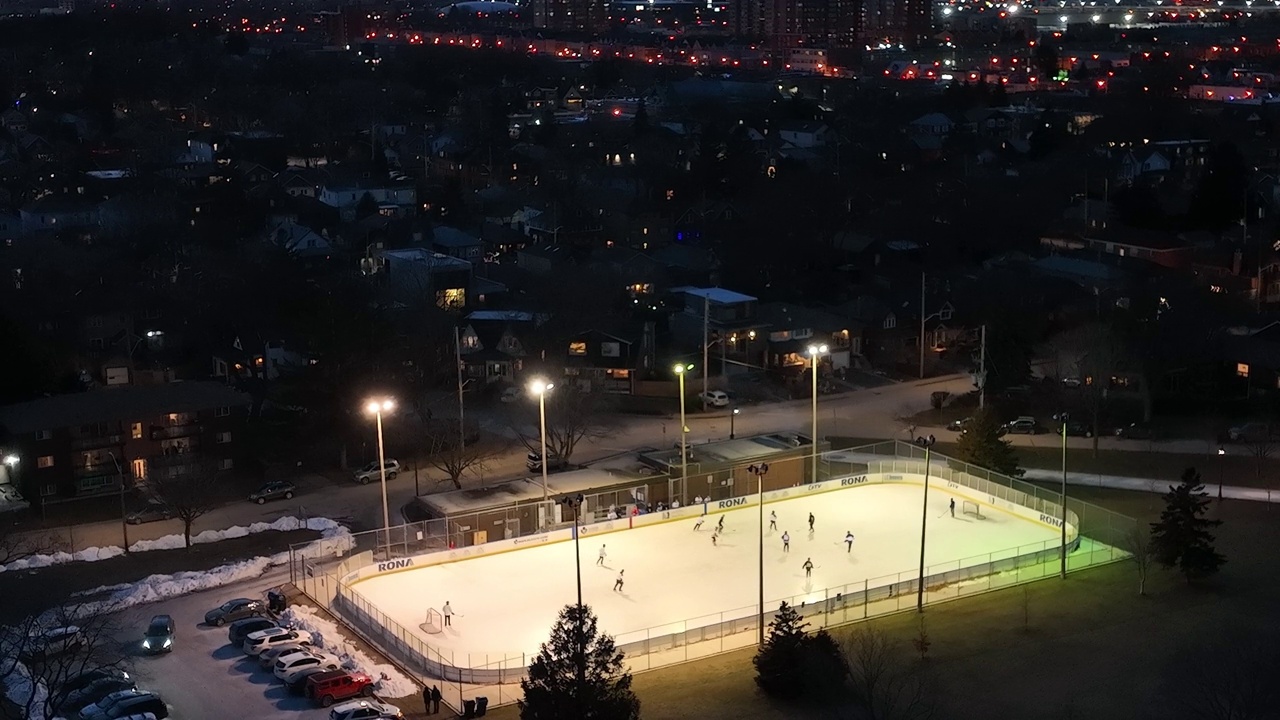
x=867, y=413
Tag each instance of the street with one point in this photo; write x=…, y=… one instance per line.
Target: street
x=867, y=413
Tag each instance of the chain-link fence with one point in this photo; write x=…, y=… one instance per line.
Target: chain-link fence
x=1095, y=536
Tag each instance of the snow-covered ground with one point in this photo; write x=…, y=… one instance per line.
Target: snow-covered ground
x=507, y=602
x=391, y=682
x=171, y=542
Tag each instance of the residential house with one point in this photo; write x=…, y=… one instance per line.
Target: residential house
x=84, y=445
x=934, y=124
x=722, y=313
x=807, y=135
x=597, y=361
x=456, y=243
x=394, y=198
x=299, y=240
x=492, y=344
x=57, y=213
x=791, y=329
x=416, y=275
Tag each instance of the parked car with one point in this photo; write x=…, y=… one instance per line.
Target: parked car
x=118, y=705
x=510, y=394
x=280, y=489
x=87, y=678
x=51, y=643
x=297, y=681
x=714, y=398
x=364, y=710
x=1252, y=432
x=329, y=687
x=159, y=635
x=293, y=662
x=1024, y=425
x=1136, y=431
x=256, y=642
x=240, y=629
x=267, y=658
x=959, y=425
x=1077, y=428
x=1071, y=383
x=154, y=511
x=77, y=700
x=534, y=461
x=233, y=610
x=370, y=473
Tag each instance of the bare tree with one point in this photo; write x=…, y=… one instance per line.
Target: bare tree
x=455, y=459
x=573, y=415
x=1261, y=446
x=885, y=683
x=189, y=496
x=35, y=669
x=906, y=418
x=15, y=545
x=1137, y=542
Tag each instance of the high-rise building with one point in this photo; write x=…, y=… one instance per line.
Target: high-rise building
x=909, y=22
x=812, y=23
x=589, y=16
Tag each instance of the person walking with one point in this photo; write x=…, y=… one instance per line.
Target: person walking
x=600, y=560
x=808, y=567
x=773, y=520
x=448, y=614
x=436, y=697
x=426, y=698
x=848, y=540
x=953, y=507
x=786, y=541
x=617, y=584
x=810, y=522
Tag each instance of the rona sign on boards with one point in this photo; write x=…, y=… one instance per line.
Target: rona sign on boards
x=395, y=564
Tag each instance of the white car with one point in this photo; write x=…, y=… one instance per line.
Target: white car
x=364, y=710
x=297, y=661
x=262, y=640
x=715, y=398
x=370, y=473
x=267, y=658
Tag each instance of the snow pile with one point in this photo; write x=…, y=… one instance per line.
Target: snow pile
x=171, y=542
x=19, y=688
x=393, y=683
x=334, y=539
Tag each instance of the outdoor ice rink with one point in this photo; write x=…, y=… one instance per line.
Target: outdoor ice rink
x=507, y=602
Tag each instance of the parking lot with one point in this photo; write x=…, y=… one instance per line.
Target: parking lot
x=204, y=677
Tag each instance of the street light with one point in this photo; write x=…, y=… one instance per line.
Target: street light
x=540, y=388
x=1221, y=451
x=815, y=351
x=124, y=522
x=759, y=471
x=376, y=408
x=750, y=336
x=1063, y=418
x=927, y=444
x=732, y=415
x=576, y=502
x=680, y=370
x=11, y=460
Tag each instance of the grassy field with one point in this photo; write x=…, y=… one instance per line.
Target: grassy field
x=1086, y=647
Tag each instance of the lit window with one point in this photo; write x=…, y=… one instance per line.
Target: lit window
x=577, y=348
x=451, y=298
x=224, y=437
x=1242, y=370
x=44, y=461
x=136, y=431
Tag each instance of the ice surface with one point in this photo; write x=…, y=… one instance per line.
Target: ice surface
x=507, y=602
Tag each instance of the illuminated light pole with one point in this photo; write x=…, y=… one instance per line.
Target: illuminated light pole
x=815, y=351
x=1221, y=451
x=750, y=336
x=124, y=521
x=680, y=371
x=927, y=444
x=377, y=408
x=576, y=502
x=540, y=388
x=732, y=415
x=759, y=471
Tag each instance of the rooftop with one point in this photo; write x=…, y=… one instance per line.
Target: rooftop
x=131, y=403
x=716, y=295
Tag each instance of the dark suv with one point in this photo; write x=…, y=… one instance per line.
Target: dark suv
x=1025, y=425
x=232, y=610
x=241, y=629
x=159, y=635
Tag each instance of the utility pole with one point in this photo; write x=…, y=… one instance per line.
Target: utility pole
x=706, y=348
x=922, y=326
x=457, y=349
x=982, y=371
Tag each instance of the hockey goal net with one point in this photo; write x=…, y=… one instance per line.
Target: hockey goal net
x=434, y=623
x=971, y=508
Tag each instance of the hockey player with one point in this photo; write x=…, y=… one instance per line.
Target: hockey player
x=698, y=525
x=786, y=541
x=715, y=535
x=617, y=584
x=808, y=567
x=810, y=522
x=773, y=520
x=720, y=525
x=600, y=560
x=953, y=507
x=848, y=541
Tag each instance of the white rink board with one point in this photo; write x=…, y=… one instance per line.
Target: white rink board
x=506, y=602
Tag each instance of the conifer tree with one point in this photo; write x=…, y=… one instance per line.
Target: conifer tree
x=578, y=673
x=1182, y=537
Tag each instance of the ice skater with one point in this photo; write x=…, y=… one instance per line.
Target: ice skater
x=447, y=611
x=773, y=520
x=720, y=525
x=808, y=567
x=715, y=536
x=953, y=507
x=600, y=560
x=617, y=584
x=810, y=522
x=848, y=541
x=698, y=525
x=786, y=541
